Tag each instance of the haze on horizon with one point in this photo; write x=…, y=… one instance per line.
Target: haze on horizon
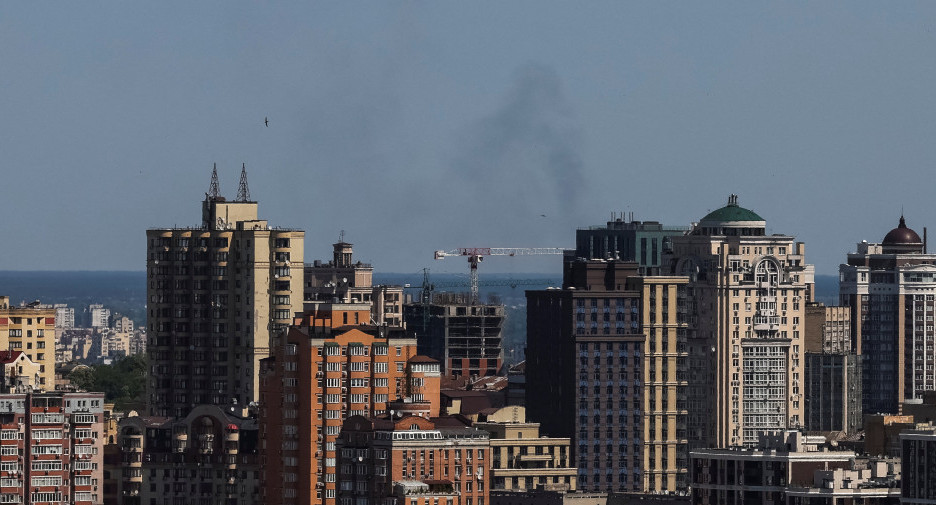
x=417, y=126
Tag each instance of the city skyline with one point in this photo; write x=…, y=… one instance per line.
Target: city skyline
x=415, y=127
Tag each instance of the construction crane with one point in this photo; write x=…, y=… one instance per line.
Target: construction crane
x=476, y=255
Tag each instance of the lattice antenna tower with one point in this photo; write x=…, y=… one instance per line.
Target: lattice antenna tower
x=213, y=191
x=243, y=193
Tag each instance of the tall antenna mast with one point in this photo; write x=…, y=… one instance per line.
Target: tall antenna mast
x=213, y=191
x=243, y=194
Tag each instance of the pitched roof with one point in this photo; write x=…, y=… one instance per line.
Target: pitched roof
x=9, y=356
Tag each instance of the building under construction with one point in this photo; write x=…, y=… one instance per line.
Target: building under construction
x=465, y=336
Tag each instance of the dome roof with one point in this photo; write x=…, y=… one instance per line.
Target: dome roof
x=732, y=212
x=902, y=235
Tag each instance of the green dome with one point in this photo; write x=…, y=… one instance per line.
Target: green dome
x=732, y=212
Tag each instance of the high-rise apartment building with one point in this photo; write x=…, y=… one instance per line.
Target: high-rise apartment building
x=833, y=371
x=665, y=304
x=30, y=329
x=828, y=329
x=584, y=371
x=330, y=366
x=891, y=289
x=51, y=449
x=215, y=294
x=746, y=327
x=642, y=242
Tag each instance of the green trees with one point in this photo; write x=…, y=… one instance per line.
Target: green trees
x=122, y=382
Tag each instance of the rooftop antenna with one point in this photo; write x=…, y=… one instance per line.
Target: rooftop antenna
x=243, y=194
x=341, y=236
x=213, y=192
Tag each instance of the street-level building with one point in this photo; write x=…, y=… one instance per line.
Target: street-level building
x=215, y=294
x=344, y=280
x=763, y=474
x=918, y=466
x=866, y=482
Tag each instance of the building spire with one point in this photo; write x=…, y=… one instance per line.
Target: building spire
x=243, y=193
x=213, y=191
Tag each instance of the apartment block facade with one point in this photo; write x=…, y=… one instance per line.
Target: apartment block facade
x=762, y=474
x=328, y=367
x=522, y=459
x=665, y=303
x=746, y=330
x=918, y=466
x=215, y=294
x=464, y=335
x=642, y=242
x=51, y=448
x=585, y=370
x=344, y=280
x=30, y=329
x=208, y=457
x=432, y=462
x=891, y=290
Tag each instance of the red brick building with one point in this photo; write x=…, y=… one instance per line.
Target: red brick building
x=406, y=459
x=50, y=448
x=324, y=370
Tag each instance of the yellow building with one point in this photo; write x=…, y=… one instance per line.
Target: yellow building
x=31, y=330
x=746, y=345
x=215, y=294
x=524, y=461
x=664, y=302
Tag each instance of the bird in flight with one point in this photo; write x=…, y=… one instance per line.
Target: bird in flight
x=266, y=122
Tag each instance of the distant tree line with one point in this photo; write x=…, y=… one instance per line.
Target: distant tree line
x=123, y=382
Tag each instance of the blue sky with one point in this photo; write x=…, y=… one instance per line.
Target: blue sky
x=420, y=126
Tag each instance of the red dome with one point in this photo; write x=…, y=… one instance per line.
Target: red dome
x=902, y=235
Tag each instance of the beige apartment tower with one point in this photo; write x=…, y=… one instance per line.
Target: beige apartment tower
x=215, y=294
x=664, y=304
x=746, y=342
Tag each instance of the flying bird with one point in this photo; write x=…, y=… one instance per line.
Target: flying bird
x=266, y=122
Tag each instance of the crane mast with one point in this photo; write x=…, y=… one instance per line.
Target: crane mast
x=476, y=255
